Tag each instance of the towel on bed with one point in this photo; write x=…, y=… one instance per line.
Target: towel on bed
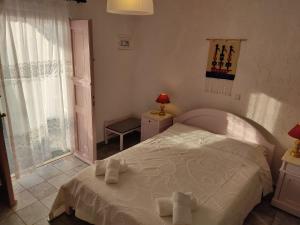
x=101, y=167
x=165, y=205
x=182, y=209
x=112, y=171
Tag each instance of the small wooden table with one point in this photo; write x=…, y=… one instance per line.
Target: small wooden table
x=121, y=128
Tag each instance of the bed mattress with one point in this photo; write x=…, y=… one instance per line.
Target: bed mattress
x=228, y=178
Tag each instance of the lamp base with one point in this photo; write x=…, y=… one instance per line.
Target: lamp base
x=162, y=113
x=162, y=110
x=296, y=151
x=295, y=154
x=154, y=112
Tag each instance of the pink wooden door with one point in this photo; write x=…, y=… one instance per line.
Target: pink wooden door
x=84, y=90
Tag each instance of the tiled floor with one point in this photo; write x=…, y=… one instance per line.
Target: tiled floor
x=36, y=192
x=265, y=214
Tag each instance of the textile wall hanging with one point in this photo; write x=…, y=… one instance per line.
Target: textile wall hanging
x=221, y=66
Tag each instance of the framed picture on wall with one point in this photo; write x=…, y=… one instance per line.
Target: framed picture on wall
x=124, y=42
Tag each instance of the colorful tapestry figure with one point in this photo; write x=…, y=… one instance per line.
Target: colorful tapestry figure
x=222, y=64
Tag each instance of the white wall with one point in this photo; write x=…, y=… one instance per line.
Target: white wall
x=172, y=54
x=113, y=76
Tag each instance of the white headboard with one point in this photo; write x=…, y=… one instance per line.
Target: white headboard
x=220, y=122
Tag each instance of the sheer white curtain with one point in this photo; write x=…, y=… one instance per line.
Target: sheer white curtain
x=36, y=72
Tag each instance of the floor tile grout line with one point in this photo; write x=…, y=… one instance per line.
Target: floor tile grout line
x=21, y=217
x=70, y=169
x=45, y=180
x=46, y=196
x=28, y=206
x=44, y=205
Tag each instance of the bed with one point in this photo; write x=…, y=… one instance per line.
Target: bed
x=219, y=157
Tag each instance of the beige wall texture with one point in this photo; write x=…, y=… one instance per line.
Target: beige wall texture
x=170, y=55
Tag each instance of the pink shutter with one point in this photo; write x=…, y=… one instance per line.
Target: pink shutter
x=84, y=90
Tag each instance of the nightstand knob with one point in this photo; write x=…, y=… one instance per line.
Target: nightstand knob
x=149, y=121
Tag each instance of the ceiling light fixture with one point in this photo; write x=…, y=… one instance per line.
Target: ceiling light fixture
x=130, y=7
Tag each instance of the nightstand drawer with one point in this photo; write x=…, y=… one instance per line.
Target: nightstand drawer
x=291, y=168
x=287, y=194
x=290, y=193
x=153, y=124
x=147, y=120
x=149, y=128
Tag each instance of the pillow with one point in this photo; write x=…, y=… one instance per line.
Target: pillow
x=180, y=127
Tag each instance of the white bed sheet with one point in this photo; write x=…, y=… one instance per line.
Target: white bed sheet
x=228, y=178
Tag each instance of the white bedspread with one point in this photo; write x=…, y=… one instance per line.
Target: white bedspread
x=228, y=178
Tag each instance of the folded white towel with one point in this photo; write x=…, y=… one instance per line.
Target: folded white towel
x=165, y=204
x=182, y=209
x=123, y=166
x=112, y=171
x=101, y=167
x=194, y=204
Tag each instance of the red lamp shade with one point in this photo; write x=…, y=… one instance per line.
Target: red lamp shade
x=295, y=132
x=163, y=98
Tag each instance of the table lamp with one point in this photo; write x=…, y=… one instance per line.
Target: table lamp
x=162, y=99
x=295, y=133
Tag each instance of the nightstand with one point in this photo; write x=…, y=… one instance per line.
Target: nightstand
x=153, y=124
x=287, y=194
